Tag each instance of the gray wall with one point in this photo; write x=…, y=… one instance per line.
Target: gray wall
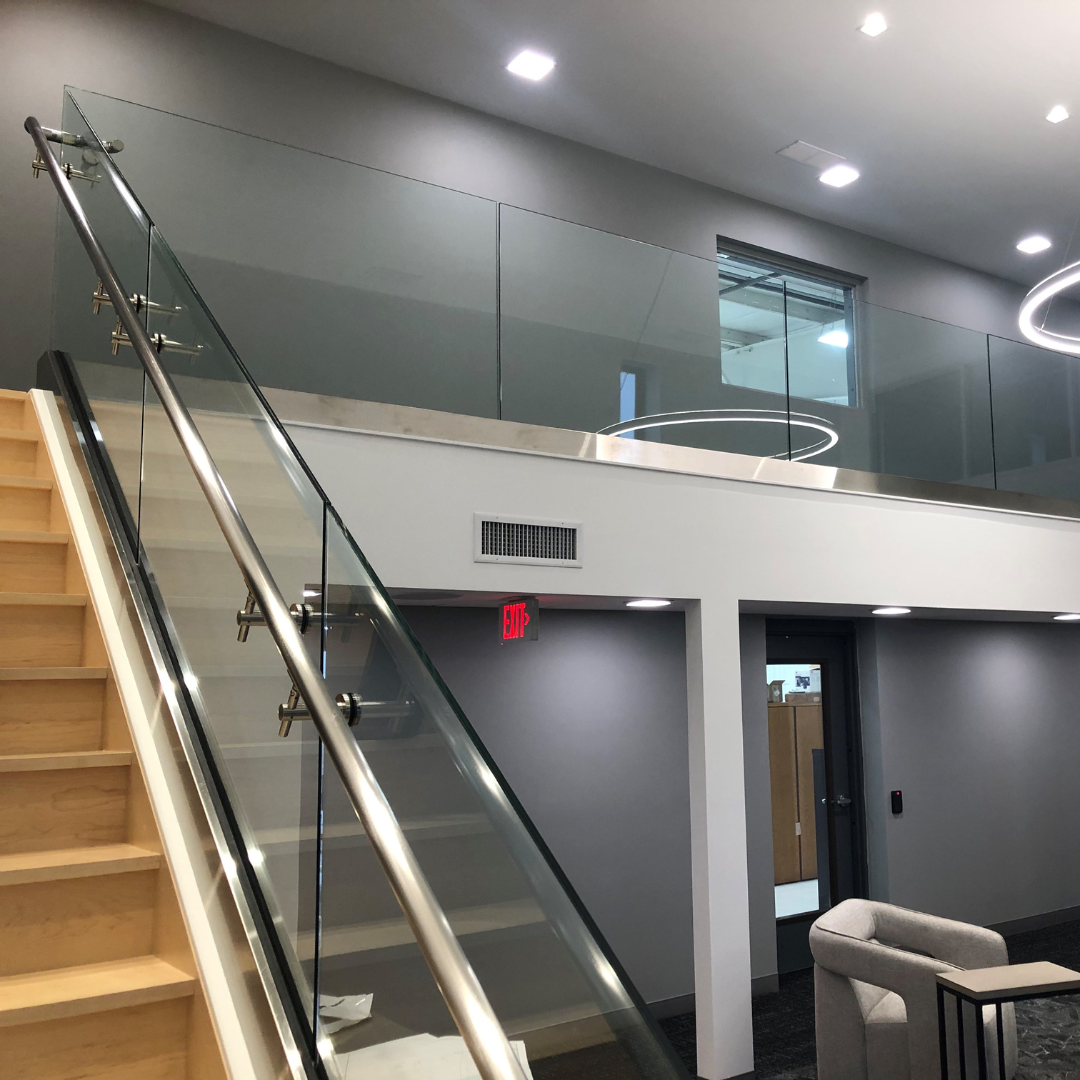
x=978, y=724
x=169, y=61
x=980, y=728
x=589, y=725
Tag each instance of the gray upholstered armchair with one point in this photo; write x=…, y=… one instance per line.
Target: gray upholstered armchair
x=876, y=993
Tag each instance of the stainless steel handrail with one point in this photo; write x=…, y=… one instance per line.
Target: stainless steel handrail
x=460, y=988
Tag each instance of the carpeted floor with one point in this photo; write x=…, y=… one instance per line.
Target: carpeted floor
x=1048, y=1030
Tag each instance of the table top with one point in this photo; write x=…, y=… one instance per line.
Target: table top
x=1011, y=981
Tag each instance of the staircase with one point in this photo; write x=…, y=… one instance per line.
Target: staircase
x=97, y=979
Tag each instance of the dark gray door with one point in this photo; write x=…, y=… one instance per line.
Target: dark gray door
x=842, y=865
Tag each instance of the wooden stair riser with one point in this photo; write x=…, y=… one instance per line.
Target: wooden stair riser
x=40, y=811
x=12, y=411
x=171, y=519
x=18, y=457
x=213, y=573
x=96, y=971
x=25, y=508
x=42, y=716
x=145, y=1042
x=55, y=924
x=41, y=635
x=33, y=567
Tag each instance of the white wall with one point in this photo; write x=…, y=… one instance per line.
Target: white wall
x=759, y=842
x=410, y=504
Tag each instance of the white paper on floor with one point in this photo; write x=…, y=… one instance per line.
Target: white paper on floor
x=418, y=1056
x=343, y=1012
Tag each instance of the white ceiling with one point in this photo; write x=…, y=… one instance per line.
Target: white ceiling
x=943, y=114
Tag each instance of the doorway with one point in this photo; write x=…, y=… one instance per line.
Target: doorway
x=815, y=765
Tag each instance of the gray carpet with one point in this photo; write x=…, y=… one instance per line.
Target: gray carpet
x=1048, y=1030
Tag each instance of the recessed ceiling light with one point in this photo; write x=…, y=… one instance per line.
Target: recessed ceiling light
x=1057, y=114
x=1032, y=245
x=530, y=65
x=1067, y=618
x=648, y=603
x=839, y=338
x=875, y=24
x=892, y=611
x=839, y=176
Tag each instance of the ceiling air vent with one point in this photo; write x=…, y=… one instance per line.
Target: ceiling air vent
x=526, y=540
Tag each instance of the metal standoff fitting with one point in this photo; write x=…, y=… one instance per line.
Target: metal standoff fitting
x=39, y=165
x=290, y=711
x=250, y=616
x=65, y=138
x=159, y=341
x=294, y=709
x=349, y=704
x=139, y=302
x=305, y=616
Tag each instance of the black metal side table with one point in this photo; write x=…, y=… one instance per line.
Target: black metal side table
x=994, y=986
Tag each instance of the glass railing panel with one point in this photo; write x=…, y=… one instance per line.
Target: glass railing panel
x=753, y=362
x=923, y=401
x=329, y=278
x=597, y=330
x=557, y=992
x=559, y=998
x=82, y=325
x=1036, y=395
x=273, y=782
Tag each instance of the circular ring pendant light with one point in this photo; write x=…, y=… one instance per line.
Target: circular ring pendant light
x=739, y=416
x=1041, y=295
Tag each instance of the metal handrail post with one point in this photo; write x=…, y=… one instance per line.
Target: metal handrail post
x=460, y=988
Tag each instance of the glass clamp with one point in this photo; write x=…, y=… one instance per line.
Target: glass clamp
x=138, y=302
x=160, y=342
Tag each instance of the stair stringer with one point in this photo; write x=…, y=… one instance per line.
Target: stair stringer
x=243, y=1021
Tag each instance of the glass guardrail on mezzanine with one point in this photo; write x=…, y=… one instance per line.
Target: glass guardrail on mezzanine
x=338, y=279
x=366, y=1004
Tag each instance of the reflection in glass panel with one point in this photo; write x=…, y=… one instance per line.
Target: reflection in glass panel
x=785, y=332
x=328, y=277
x=583, y=311
x=927, y=398
x=273, y=783
x=559, y=999
x=1036, y=396
x=83, y=322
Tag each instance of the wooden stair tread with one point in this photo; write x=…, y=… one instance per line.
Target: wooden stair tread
x=387, y=933
x=115, y=984
x=26, y=482
x=42, y=599
x=31, y=674
x=32, y=536
x=71, y=759
x=66, y=863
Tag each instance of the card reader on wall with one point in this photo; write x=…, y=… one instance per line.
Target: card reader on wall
x=897, y=802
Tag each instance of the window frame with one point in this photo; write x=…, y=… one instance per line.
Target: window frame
x=780, y=263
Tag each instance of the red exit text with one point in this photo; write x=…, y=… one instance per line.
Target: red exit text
x=520, y=620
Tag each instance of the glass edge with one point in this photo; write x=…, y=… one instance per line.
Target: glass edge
x=287, y=146
x=523, y=816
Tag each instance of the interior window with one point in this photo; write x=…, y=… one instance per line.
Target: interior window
x=785, y=332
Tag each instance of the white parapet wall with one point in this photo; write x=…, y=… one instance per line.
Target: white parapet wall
x=409, y=492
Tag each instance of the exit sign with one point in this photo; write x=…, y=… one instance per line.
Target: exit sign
x=520, y=620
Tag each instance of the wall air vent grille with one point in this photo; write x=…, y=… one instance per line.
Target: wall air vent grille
x=539, y=543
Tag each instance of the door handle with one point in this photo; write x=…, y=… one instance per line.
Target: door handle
x=841, y=800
